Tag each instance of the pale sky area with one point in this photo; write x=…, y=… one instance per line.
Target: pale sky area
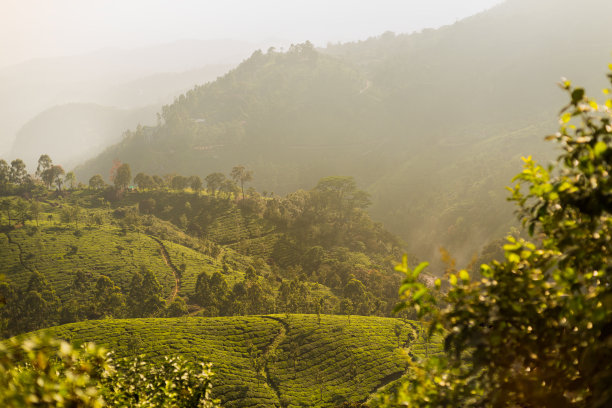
x=44, y=28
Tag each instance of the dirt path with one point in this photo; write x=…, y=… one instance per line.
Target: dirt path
x=166, y=257
x=20, y=252
x=269, y=352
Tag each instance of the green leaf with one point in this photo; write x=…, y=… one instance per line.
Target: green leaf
x=419, y=294
x=599, y=148
x=577, y=95
x=417, y=271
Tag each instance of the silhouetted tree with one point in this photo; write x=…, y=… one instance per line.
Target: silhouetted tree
x=241, y=175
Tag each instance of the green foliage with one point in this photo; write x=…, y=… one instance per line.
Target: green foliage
x=122, y=176
x=96, y=182
x=40, y=371
x=535, y=330
x=144, y=297
x=171, y=382
x=241, y=175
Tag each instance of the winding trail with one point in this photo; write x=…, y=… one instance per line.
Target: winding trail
x=168, y=261
x=270, y=349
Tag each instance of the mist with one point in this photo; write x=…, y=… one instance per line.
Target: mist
x=321, y=203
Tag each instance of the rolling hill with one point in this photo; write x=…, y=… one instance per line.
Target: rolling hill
x=89, y=254
x=271, y=360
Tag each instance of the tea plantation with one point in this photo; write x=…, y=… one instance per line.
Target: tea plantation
x=273, y=360
x=58, y=249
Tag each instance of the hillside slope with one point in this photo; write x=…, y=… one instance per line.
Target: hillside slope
x=433, y=124
x=89, y=254
x=275, y=360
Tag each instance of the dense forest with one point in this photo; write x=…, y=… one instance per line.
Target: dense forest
x=327, y=227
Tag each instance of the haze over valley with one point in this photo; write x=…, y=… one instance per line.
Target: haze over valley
x=283, y=204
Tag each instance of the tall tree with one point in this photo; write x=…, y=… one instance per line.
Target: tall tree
x=56, y=172
x=195, y=183
x=51, y=174
x=178, y=182
x=143, y=181
x=122, y=176
x=44, y=163
x=108, y=299
x=214, y=182
x=145, y=296
x=241, y=175
x=4, y=176
x=17, y=173
x=35, y=210
x=96, y=182
x=70, y=180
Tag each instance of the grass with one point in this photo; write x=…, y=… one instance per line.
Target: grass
x=276, y=360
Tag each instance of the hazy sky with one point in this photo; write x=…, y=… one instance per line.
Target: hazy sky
x=41, y=28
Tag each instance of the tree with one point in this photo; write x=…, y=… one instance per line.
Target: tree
x=96, y=182
x=4, y=176
x=146, y=206
x=108, y=299
x=6, y=205
x=71, y=213
x=17, y=172
x=241, y=175
x=122, y=176
x=177, y=308
x=53, y=175
x=145, y=298
x=214, y=181
x=195, y=183
x=22, y=209
x=229, y=187
x=144, y=181
x=536, y=329
x=35, y=210
x=70, y=180
x=340, y=193
x=50, y=174
x=44, y=163
x=178, y=183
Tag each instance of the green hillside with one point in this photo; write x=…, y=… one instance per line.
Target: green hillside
x=89, y=254
x=432, y=133
x=275, y=360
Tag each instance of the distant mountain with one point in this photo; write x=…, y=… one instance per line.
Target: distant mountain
x=107, y=76
x=433, y=123
x=74, y=132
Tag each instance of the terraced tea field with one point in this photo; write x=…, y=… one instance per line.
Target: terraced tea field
x=58, y=250
x=276, y=360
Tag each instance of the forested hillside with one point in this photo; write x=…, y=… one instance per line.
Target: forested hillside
x=432, y=124
x=172, y=249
